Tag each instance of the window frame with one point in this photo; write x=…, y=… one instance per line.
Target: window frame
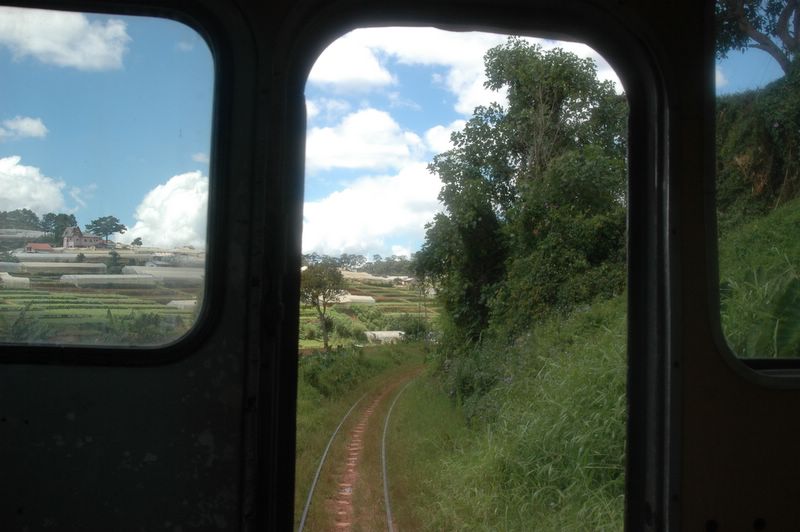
x=206, y=24
x=651, y=281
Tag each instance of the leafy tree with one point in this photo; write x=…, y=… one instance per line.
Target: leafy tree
x=533, y=192
x=769, y=25
x=105, y=226
x=56, y=224
x=48, y=222
x=351, y=262
x=137, y=241
x=394, y=265
x=19, y=219
x=313, y=258
x=321, y=284
x=114, y=264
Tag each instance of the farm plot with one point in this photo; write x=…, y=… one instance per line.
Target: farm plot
x=394, y=306
x=83, y=317
x=395, y=300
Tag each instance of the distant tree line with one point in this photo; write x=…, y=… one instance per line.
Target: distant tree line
x=393, y=265
x=54, y=224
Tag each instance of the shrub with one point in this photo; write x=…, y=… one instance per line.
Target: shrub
x=28, y=329
x=414, y=327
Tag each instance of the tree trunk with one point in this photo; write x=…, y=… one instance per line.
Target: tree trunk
x=324, y=327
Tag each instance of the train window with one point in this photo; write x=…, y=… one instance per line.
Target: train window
x=758, y=179
x=105, y=134
x=463, y=319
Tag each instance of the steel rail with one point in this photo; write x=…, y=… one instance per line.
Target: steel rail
x=321, y=463
x=389, y=524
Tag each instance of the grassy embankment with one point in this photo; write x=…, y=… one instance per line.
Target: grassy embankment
x=759, y=266
x=544, y=448
x=328, y=385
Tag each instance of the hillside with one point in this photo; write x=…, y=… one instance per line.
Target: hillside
x=396, y=307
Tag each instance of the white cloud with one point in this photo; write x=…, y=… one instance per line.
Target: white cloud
x=312, y=110
x=438, y=137
x=26, y=187
x=174, y=213
x=373, y=213
x=80, y=195
x=397, y=100
x=201, y=157
x=401, y=251
x=326, y=109
x=22, y=127
x=63, y=39
x=719, y=77
x=459, y=53
x=368, y=138
x=346, y=65
x=184, y=46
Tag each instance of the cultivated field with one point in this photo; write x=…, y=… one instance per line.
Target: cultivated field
x=395, y=308
x=78, y=303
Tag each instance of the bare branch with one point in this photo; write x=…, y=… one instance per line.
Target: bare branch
x=762, y=40
x=796, y=31
x=782, y=27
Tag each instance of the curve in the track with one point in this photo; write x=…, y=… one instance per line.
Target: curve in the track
x=321, y=463
x=389, y=521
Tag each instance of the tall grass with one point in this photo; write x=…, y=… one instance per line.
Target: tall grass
x=546, y=443
x=760, y=285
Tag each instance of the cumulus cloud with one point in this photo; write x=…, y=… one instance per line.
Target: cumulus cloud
x=326, y=109
x=22, y=127
x=372, y=213
x=174, y=213
x=25, y=187
x=368, y=138
x=719, y=77
x=81, y=195
x=438, y=137
x=460, y=54
x=401, y=251
x=201, y=157
x=312, y=109
x=63, y=39
x=347, y=65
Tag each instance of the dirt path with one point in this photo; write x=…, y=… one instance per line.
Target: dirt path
x=357, y=503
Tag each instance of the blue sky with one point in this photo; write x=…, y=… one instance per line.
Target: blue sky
x=98, y=112
x=108, y=115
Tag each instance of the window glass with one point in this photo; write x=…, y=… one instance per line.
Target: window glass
x=462, y=327
x=758, y=178
x=105, y=125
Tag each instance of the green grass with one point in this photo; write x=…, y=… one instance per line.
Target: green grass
x=545, y=445
x=327, y=388
x=426, y=430
x=81, y=316
x=760, y=285
x=539, y=441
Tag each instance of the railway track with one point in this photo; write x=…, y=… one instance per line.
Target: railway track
x=342, y=512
